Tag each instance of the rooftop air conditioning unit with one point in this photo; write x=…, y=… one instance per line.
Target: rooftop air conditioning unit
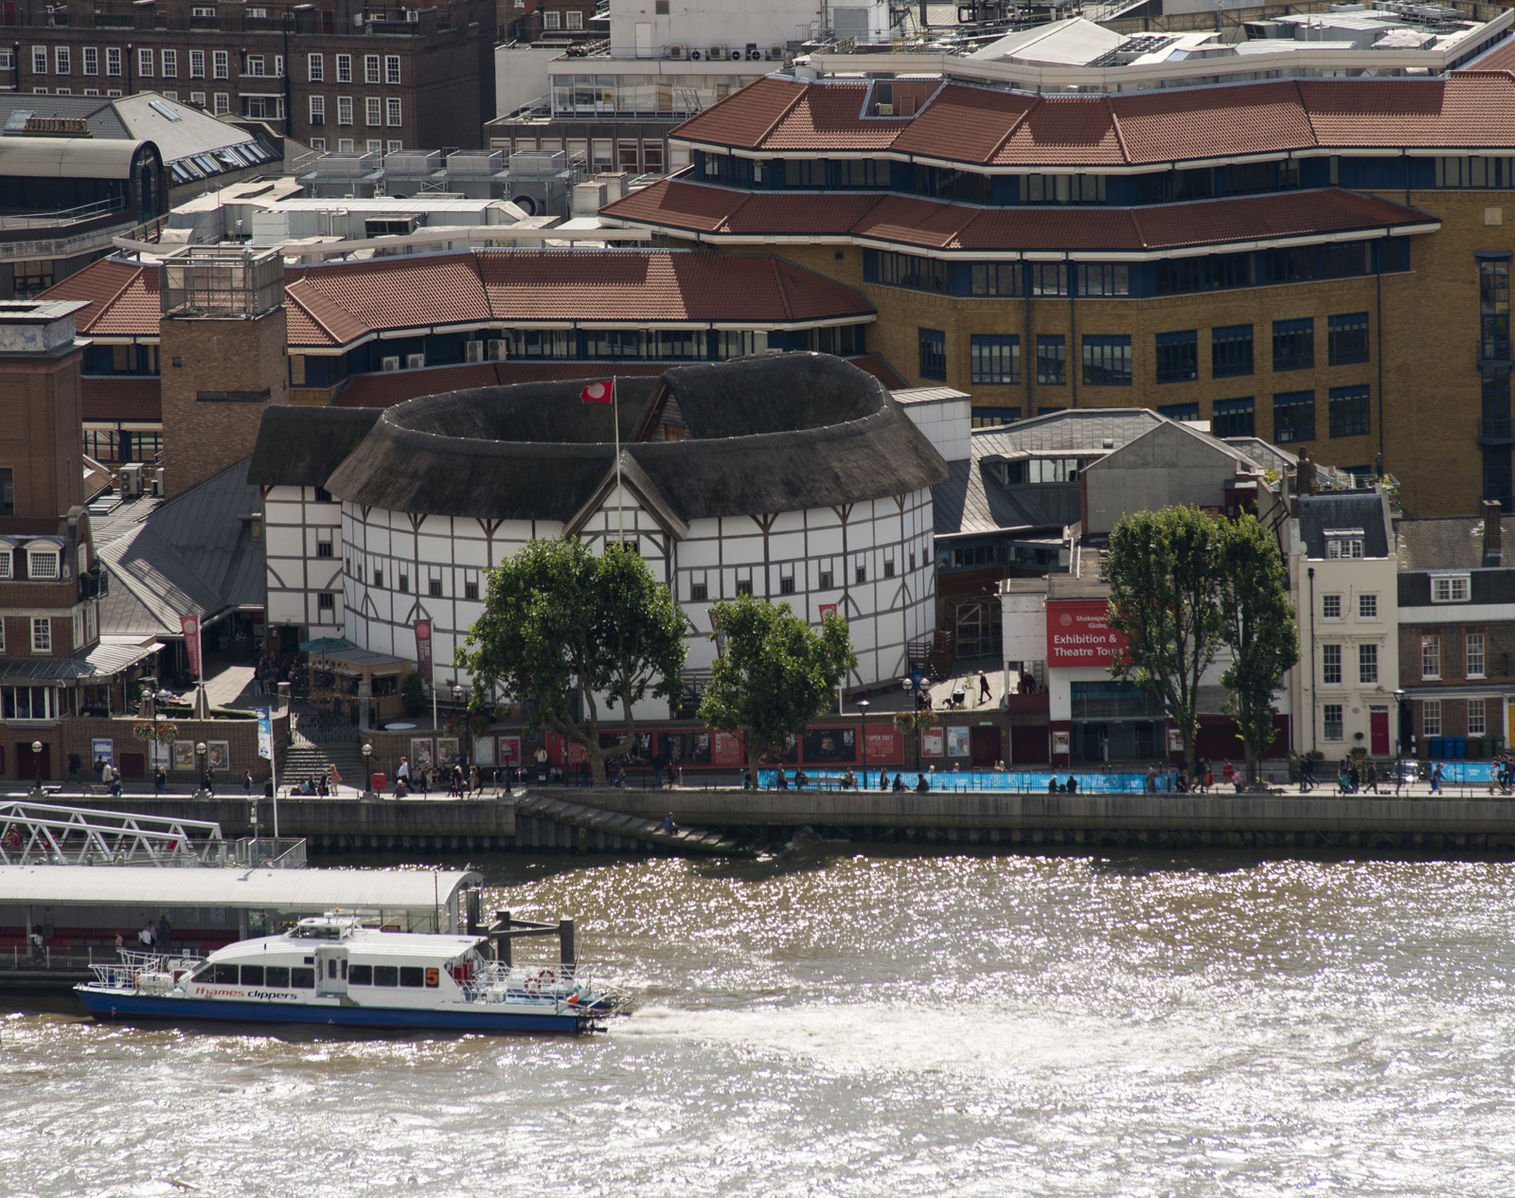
x=415, y=361
x=735, y=56
x=696, y=55
x=885, y=109
x=677, y=51
x=473, y=351
x=754, y=54
x=390, y=363
x=497, y=349
x=775, y=53
x=717, y=53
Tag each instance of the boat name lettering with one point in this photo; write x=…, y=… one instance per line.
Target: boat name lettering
x=223, y=992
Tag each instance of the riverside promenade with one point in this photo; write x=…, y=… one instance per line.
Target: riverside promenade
x=1415, y=821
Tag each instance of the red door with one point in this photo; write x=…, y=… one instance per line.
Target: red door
x=1378, y=730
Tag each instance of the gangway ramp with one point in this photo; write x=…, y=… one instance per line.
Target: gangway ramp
x=693, y=841
x=50, y=834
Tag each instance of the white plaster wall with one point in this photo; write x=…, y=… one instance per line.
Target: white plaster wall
x=296, y=523
x=701, y=23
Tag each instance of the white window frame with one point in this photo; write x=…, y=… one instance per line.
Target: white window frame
x=551, y=19
x=1475, y=649
x=220, y=64
x=317, y=110
x=392, y=69
x=144, y=62
x=346, y=145
x=42, y=634
x=47, y=550
x=1451, y=588
x=197, y=64
x=344, y=68
x=1333, y=729
x=573, y=19
x=62, y=61
x=371, y=71
x=1480, y=725
x=1327, y=602
x=1367, y=606
x=197, y=99
x=257, y=67
x=221, y=103
x=373, y=111
x=315, y=68
x=1344, y=548
x=39, y=60
x=1330, y=664
x=6, y=566
x=1430, y=717
x=344, y=110
x=113, y=61
x=1430, y=656
x=89, y=59
x=394, y=112
x=169, y=64
x=1367, y=663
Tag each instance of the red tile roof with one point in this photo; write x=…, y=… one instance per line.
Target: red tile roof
x=107, y=399
x=1500, y=58
x=976, y=124
x=932, y=224
x=331, y=306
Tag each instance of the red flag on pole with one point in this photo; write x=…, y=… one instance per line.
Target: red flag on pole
x=190, y=627
x=602, y=391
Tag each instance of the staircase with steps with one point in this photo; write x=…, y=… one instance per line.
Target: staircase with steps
x=333, y=746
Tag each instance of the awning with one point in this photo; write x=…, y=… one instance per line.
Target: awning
x=105, y=660
x=352, y=659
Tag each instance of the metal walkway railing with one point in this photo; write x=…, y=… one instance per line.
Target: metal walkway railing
x=46, y=834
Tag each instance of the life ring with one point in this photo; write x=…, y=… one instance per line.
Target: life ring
x=546, y=977
x=534, y=984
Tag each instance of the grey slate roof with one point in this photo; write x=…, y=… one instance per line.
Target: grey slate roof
x=194, y=553
x=1319, y=514
x=1449, y=543
x=103, y=661
x=777, y=432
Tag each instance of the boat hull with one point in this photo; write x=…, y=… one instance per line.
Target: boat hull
x=107, y=1004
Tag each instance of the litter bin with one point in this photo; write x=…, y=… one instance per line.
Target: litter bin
x=1460, y=751
x=380, y=781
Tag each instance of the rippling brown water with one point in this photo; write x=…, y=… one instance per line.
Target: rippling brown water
x=870, y=1025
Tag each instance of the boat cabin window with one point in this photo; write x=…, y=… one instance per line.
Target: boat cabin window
x=302, y=977
x=319, y=931
x=277, y=975
x=252, y=975
x=386, y=975
x=360, y=975
x=410, y=975
x=220, y=975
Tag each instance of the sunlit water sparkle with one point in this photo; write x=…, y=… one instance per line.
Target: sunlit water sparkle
x=866, y=1025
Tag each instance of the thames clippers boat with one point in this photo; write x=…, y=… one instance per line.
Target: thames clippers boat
x=332, y=970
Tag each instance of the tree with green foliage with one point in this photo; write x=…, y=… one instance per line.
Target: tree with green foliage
x=773, y=673
x=413, y=693
x=1258, y=627
x=560, y=620
x=1163, y=568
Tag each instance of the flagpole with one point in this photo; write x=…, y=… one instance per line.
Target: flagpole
x=615, y=418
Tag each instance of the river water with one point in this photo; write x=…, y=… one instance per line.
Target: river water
x=867, y=1025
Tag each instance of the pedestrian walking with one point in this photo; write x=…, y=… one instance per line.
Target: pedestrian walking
x=247, y=784
x=160, y=780
x=985, y=693
x=1436, y=777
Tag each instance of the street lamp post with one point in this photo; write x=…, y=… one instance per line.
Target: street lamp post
x=204, y=789
x=368, y=772
x=1399, y=745
x=37, y=763
x=862, y=705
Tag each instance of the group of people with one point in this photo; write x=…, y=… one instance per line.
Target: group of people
x=1202, y=781
x=460, y=782
x=848, y=781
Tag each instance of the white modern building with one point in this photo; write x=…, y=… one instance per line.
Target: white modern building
x=793, y=476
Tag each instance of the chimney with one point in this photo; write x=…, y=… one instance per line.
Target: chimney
x=1493, y=538
x=1304, y=477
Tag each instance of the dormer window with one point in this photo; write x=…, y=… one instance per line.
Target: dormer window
x=42, y=562
x=5, y=562
x=1451, y=588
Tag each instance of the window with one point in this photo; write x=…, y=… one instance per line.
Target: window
x=1338, y=546
x=471, y=588
x=699, y=592
x=1367, y=664
x=1473, y=647
x=1450, y=588
x=1477, y=717
x=1494, y=306
x=315, y=68
x=1051, y=359
x=1104, y=278
x=91, y=57
x=255, y=66
x=392, y=114
x=7, y=491
x=1330, y=607
x=220, y=64
x=1331, y=721
x=326, y=601
x=744, y=586
x=574, y=20
x=933, y=354
x=434, y=588
x=371, y=68
x=112, y=60
x=552, y=20
x=144, y=61
x=1294, y=417
x=28, y=703
x=324, y=549
x=1347, y=338
x=1049, y=278
x=1294, y=344
x=786, y=584
x=860, y=572
x=378, y=577
x=42, y=634
x=318, y=110
x=1347, y=411
x=1230, y=351
x=61, y=63
x=907, y=270
x=1367, y=607
x=1430, y=717
x=392, y=68
x=39, y=60
x=402, y=582
x=1330, y=665
x=344, y=110
x=170, y=63
x=1177, y=357
x=197, y=64
x=1232, y=417
x=1430, y=656
x=344, y=68
x=1107, y=360
x=995, y=358
x=373, y=111
x=6, y=561
x=995, y=278
x=1179, y=411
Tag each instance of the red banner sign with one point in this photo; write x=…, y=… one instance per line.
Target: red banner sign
x=1079, y=634
x=190, y=627
x=423, y=648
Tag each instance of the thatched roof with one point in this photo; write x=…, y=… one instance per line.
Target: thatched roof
x=778, y=432
x=300, y=446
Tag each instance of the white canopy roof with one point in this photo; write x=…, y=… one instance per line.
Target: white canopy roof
x=312, y=890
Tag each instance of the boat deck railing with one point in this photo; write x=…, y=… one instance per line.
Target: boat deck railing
x=130, y=965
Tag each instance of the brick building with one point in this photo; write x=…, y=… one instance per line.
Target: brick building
x=1320, y=263
x=338, y=74
x=1457, y=632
